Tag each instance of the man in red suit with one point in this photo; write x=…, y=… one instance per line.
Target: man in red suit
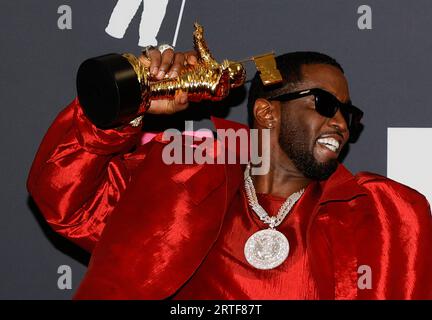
x=308, y=229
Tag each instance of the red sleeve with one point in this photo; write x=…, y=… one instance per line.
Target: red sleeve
x=401, y=240
x=422, y=288
x=79, y=174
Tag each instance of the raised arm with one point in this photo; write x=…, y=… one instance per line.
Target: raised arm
x=80, y=172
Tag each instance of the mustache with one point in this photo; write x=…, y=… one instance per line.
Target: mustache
x=338, y=132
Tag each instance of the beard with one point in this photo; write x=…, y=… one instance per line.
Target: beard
x=294, y=141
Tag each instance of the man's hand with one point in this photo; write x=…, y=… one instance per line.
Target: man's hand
x=170, y=64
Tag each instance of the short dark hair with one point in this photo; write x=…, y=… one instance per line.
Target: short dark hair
x=289, y=65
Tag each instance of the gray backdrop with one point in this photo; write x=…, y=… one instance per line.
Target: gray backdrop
x=388, y=68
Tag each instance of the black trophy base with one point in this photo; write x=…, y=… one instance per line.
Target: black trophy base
x=108, y=90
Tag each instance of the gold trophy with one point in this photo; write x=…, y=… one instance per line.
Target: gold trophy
x=114, y=89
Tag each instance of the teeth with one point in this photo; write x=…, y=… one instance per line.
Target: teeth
x=330, y=143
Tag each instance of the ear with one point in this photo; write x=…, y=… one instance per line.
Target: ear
x=265, y=113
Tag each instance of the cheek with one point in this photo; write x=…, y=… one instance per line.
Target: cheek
x=293, y=127
x=312, y=124
x=302, y=127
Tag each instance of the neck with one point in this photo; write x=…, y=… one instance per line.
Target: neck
x=283, y=178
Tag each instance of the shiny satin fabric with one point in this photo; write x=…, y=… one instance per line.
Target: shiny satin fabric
x=158, y=231
x=331, y=234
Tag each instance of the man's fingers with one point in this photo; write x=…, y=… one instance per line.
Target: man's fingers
x=144, y=60
x=181, y=98
x=177, y=65
x=155, y=60
x=167, y=60
x=179, y=103
x=191, y=57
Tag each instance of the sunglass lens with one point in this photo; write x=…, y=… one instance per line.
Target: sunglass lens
x=326, y=105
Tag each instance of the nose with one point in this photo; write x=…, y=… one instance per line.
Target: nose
x=338, y=122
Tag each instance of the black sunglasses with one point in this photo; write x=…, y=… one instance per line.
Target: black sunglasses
x=327, y=105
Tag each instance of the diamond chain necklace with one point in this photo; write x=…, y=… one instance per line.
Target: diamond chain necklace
x=259, y=210
x=268, y=248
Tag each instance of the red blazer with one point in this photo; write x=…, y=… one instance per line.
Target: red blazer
x=150, y=225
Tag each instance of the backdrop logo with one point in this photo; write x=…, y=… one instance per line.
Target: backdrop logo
x=152, y=15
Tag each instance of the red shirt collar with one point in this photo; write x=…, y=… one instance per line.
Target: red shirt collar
x=340, y=186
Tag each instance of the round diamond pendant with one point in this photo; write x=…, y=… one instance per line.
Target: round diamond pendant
x=266, y=249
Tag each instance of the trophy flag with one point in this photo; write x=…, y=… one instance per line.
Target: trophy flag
x=266, y=65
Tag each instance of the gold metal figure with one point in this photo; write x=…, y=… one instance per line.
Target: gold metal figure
x=207, y=80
